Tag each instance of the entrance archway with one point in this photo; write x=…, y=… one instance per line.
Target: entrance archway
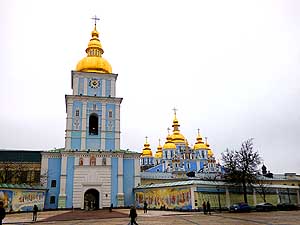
x=91, y=199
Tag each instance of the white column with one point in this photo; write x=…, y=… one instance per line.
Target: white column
x=85, y=85
x=69, y=121
x=83, y=126
x=103, y=128
x=75, y=86
x=193, y=189
x=44, y=171
x=298, y=197
x=120, y=182
x=103, y=87
x=63, y=177
x=117, y=127
x=137, y=172
x=63, y=174
x=113, y=88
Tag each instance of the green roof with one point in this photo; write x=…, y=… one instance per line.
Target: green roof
x=30, y=156
x=22, y=186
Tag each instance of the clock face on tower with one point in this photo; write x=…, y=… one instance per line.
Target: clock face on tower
x=94, y=83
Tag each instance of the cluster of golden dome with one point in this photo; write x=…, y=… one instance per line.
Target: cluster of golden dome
x=174, y=139
x=94, y=62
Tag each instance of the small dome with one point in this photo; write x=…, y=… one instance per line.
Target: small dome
x=210, y=153
x=94, y=62
x=199, y=144
x=146, y=150
x=158, y=153
x=177, y=137
x=169, y=144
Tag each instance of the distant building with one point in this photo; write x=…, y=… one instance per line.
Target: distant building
x=20, y=167
x=178, y=159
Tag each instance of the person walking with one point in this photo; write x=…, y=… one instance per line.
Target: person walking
x=34, y=213
x=208, y=207
x=133, y=215
x=2, y=212
x=145, y=207
x=204, y=207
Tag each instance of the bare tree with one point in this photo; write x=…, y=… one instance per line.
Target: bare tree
x=241, y=166
x=263, y=187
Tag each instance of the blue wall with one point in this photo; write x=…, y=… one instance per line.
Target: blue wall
x=128, y=181
x=69, y=181
x=54, y=168
x=114, y=180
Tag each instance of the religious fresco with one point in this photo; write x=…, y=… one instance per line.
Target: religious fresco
x=22, y=200
x=6, y=197
x=168, y=198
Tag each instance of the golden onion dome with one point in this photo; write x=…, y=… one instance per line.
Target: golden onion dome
x=94, y=62
x=159, y=152
x=177, y=137
x=146, y=150
x=169, y=144
x=199, y=144
x=210, y=153
x=209, y=150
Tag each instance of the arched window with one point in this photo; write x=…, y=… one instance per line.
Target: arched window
x=93, y=124
x=93, y=161
x=81, y=162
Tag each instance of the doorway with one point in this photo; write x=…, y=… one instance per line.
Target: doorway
x=91, y=199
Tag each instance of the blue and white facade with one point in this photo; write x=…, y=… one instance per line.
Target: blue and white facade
x=177, y=157
x=91, y=171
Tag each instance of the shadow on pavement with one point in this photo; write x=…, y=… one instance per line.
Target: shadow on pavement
x=82, y=214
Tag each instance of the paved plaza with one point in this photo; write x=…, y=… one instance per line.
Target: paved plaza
x=120, y=217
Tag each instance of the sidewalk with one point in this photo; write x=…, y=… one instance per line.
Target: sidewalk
x=69, y=215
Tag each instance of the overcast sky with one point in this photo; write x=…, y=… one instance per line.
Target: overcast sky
x=231, y=68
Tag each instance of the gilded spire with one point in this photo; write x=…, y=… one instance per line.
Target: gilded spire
x=209, y=151
x=146, y=150
x=177, y=137
x=94, y=62
x=199, y=144
x=158, y=153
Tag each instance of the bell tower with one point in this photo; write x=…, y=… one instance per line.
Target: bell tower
x=93, y=110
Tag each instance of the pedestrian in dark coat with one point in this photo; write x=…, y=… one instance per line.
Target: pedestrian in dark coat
x=2, y=212
x=34, y=212
x=145, y=207
x=133, y=215
x=204, y=207
x=208, y=207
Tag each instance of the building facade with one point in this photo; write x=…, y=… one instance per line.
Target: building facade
x=178, y=158
x=92, y=171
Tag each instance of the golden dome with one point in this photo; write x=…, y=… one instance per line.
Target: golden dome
x=209, y=151
x=159, y=152
x=146, y=150
x=199, y=144
x=177, y=137
x=94, y=62
x=169, y=144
